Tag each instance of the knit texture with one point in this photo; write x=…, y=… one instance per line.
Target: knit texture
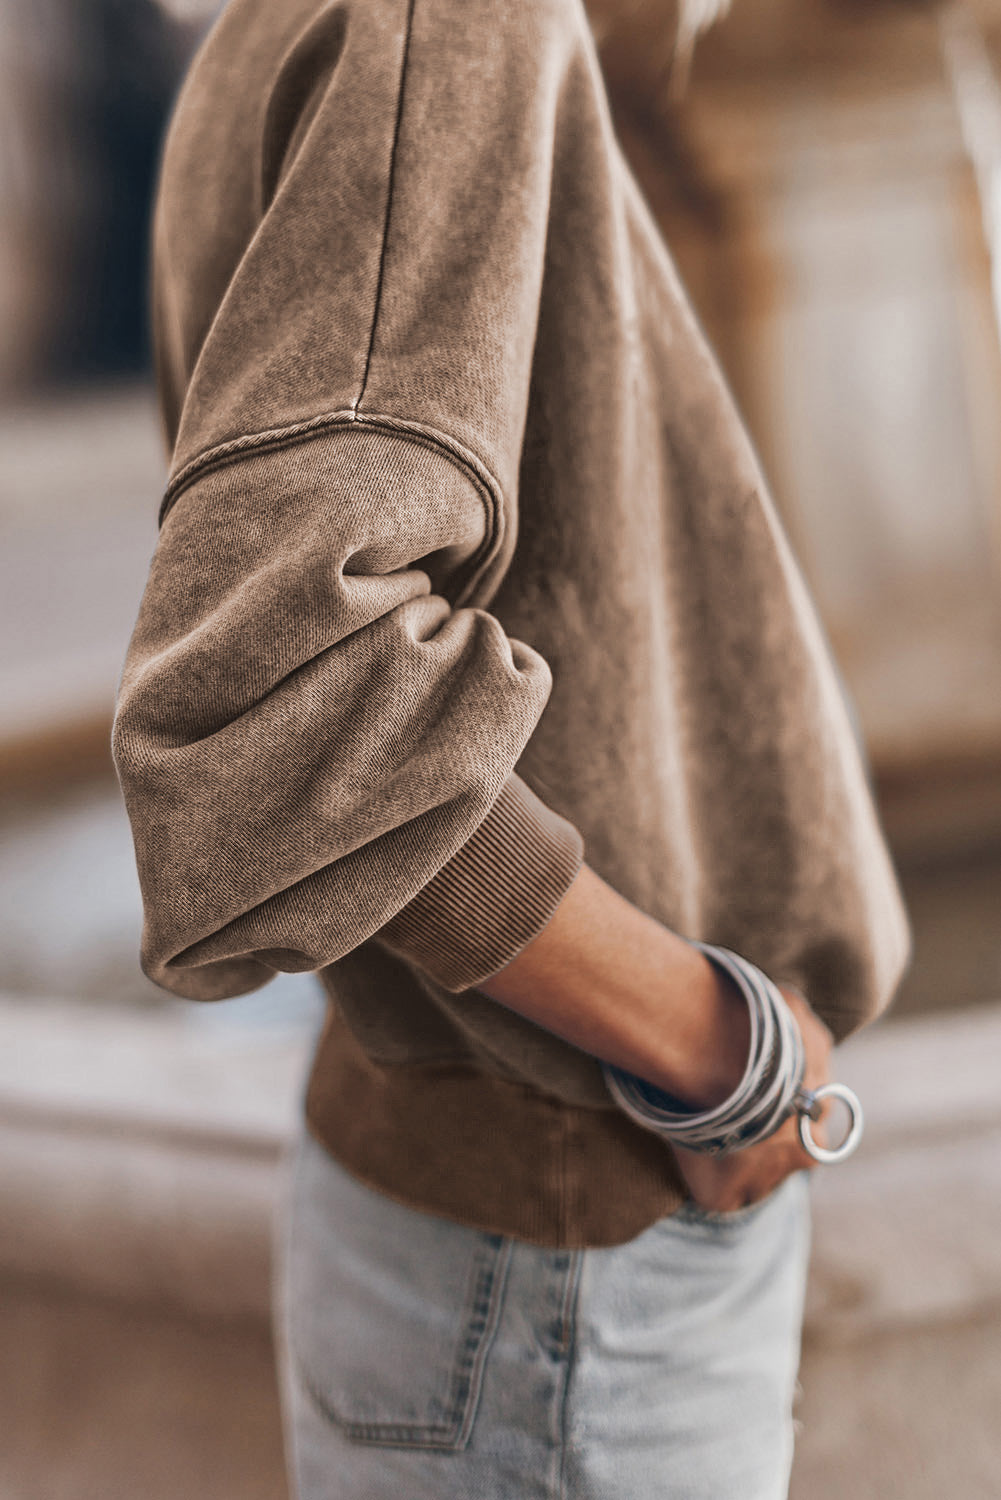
x=466, y=568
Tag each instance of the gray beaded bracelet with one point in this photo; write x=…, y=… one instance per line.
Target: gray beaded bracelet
x=770, y=1090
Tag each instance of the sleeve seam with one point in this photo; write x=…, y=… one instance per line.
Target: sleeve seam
x=279, y=439
x=274, y=439
x=394, y=152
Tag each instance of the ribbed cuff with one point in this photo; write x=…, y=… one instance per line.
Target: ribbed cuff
x=494, y=895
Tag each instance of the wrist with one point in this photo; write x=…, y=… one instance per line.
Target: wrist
x=614, y=981
x=719, y=1043
x=769, y=1088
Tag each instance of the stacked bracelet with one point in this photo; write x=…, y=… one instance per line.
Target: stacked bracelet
x=767, y=1094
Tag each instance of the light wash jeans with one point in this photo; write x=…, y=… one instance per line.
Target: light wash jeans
x=421, y=1360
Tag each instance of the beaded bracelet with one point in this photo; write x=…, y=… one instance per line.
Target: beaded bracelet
x=770, y=1090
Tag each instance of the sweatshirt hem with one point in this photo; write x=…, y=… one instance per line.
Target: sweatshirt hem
x=479, y=1150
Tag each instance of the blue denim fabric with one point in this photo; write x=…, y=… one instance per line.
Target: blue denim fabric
x=422, y=1360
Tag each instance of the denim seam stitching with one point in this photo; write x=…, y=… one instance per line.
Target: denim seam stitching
x=478, y=1304
x=568, y=1319
x=431, y=1435
x=479, y=1348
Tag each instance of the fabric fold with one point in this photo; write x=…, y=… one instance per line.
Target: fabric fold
x=308, y=731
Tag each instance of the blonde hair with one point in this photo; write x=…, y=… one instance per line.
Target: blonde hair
x=698, y=15
x=651, y=42
x=694, y=17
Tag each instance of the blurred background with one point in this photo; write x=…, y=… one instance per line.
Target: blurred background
x=827, y=174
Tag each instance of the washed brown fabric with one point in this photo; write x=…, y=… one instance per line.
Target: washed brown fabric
x=466, y=572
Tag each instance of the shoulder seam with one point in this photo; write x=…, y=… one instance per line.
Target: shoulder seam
x=393, y=152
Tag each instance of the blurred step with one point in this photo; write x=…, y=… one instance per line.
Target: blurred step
x=102, y=1401
x=140, y=1156
x=82, y=475
x=141, y=1166
x=908, y=1233
x=140, y=1153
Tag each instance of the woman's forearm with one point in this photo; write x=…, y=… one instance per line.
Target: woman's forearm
x=618, y=984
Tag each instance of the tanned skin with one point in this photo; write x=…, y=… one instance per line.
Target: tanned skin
x=618, y=984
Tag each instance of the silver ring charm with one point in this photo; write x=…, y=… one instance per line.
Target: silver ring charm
x=809, y=1106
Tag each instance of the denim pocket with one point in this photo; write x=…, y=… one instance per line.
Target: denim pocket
x=391, y=1312
x=691, y=1212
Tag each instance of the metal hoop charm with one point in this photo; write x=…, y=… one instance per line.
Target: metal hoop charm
x=809, y=1104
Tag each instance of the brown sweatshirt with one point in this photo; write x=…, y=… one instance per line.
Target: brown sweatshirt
x=466, y=571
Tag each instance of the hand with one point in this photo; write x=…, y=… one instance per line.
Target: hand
x=724, y=1184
